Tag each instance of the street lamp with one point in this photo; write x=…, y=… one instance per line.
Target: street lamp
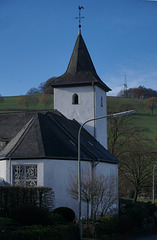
x=79, y=161
x=153, y=183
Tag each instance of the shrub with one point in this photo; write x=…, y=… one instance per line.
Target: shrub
x=67, y=213
x=56, y=219
x=131, y=220
x=106, y=225
x=44, y=233
x=13, y=197
x=136, y=216
x=30, y=215
x=88, y=230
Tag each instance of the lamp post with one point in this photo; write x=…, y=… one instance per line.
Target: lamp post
x=153, y=184
x=79, y=159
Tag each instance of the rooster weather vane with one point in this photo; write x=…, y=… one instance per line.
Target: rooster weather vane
x=79, y=17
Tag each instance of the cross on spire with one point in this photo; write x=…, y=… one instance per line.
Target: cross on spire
x=79, y=17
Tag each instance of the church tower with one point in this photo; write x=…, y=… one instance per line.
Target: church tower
x=80, y=94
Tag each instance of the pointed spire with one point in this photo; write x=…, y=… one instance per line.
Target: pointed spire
x=80, y=59
x=80, y=70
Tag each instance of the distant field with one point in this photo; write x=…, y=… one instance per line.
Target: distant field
x=147, y=122
x=137, y=104
x=143, y=118
x=11, y=104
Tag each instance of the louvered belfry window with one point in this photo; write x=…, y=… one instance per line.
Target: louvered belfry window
x=25, y=175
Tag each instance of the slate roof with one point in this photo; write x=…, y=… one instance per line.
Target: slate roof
x=80, y=71
x=47, y=135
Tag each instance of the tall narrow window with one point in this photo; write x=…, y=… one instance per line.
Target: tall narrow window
x=101, y=101
x=75, y=99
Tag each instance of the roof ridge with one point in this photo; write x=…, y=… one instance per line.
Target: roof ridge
x=41, y=137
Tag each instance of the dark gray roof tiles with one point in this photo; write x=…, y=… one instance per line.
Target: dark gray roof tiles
x=49, y=135
x=80, y=71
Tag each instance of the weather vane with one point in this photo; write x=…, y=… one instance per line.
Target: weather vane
x=79, y=17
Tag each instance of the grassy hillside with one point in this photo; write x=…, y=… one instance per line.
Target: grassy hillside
x=10, y=104
x=149, y=123
x=137, y=104
x=143, y=116
x=115, y=104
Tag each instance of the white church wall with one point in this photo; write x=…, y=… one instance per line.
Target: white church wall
x=101, y=110
x=3, y=171
x=58, y=175
x=82, y=111
x=91, y=104
x=110, y=170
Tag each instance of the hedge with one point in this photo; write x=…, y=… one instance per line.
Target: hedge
x=13, y=197
x=69, y=232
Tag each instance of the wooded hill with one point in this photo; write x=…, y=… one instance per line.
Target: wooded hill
x=143, y=115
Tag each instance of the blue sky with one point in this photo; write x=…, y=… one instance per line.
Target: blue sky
x=37, y=38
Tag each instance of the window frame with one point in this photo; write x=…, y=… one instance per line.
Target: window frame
x=24, y=178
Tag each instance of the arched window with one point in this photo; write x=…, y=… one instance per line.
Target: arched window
x=75, y=99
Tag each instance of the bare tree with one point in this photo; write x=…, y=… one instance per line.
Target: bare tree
x=46, y=99
x=151, y=103
x=31, y=100
x=20, y=100
x=27, y=100
x=102, y=191
x=118, y=128
x=33, y=91
x=105, y=194
x=47, y=86
x=136, y=162
x=140, y=92
x=86, y=189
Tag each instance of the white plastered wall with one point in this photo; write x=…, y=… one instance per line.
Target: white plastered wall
x=82, y=111
x=101, y=110
x=110, y=170
x=58, y=175
x=89, y=106
x=3, y=169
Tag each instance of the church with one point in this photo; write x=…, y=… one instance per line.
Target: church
x=40, y=148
